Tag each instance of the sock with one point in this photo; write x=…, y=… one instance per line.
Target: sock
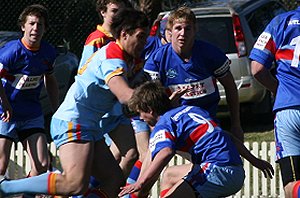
x=135, y=172
x=164, y=192
x=41, y=184
x=296, y=190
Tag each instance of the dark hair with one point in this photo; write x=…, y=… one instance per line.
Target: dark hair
x=149, y=96
x=101, y=5
x=35, y=10
x=128, y=20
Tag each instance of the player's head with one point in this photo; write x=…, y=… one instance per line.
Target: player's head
x=130, y=28
x=182, y=24
x=150, y=97
x=34, y=10
x=104, y=6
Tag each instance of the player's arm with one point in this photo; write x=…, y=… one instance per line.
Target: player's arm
x=264, y=76
x=233, y=104
x=7, y=109
x=120, y=88
x=263, y=165
x=52, y=90
x=161, y=159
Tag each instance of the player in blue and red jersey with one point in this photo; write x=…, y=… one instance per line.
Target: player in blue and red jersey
x=186, y=62
x=216, y=169
x=26, y=65
x=280, y=43
x=75, y=128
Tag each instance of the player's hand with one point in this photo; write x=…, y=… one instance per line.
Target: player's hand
x=7, y=112
x=265, y=167
x=129, y=189
x=176, y=95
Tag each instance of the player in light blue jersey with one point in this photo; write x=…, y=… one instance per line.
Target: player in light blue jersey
x=26, y=65
x=75, y=128
x=280, y=43
x=216, y=169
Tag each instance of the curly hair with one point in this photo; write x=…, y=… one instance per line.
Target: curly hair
x=35, y=10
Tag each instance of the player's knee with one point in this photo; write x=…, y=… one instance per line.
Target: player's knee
x=168, y=177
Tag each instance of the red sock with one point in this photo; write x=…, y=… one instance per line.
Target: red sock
x=296, y=191
x=164, y=192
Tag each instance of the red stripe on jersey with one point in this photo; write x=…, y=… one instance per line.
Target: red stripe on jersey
x=195, y=136
x=169, y=136
x=6, y=75
x=285, y=54
x=114, y=51
x=271, y=46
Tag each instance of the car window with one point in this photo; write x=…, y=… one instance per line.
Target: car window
x=218, y=31
x=259, y=18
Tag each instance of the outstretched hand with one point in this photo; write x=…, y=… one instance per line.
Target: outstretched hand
x=265, y=167
x=130, y=189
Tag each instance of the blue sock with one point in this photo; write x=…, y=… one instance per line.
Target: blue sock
x=135, y=172
x=41, y=184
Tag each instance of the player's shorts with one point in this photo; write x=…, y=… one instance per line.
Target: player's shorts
x=139, y=125
x=210, y=180
x=63, y=132
x=20, y=130
x=289, y=169
x=287, y=133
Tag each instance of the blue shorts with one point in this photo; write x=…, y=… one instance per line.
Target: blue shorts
x=13, y=129
x=67, y=131
x=210, y=180
x=287, y=133
x=139, y=125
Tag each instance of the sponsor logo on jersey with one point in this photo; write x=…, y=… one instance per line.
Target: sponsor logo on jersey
x=171, y=73
x=196, y=89
x=294, y=22
x=160, y=136
x=23, y=82
x=262, y=41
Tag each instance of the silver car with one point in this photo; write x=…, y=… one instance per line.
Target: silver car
x=234, y=26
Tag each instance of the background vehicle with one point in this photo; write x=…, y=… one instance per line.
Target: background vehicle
x=234, y=26
x=65, y=68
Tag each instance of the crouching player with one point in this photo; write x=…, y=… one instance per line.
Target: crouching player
x=216, y=169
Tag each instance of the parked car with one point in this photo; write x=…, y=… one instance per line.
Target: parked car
x=65, y=68
x=234, y=26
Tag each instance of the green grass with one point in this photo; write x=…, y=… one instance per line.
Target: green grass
x=259, y=136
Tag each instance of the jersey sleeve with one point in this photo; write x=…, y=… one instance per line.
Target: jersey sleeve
x=152, y=66
x=264, y=48
x=112, y=67
x=161, y=138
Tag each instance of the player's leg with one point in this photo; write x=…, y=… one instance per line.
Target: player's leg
x=124, y=140
x=106, y=170
x=5, y=149
x=76, y=159
x=172, y=175
x=33, y=137
x=179, y=190
x=7, y=136
x=141, y=130
x=287, y=137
